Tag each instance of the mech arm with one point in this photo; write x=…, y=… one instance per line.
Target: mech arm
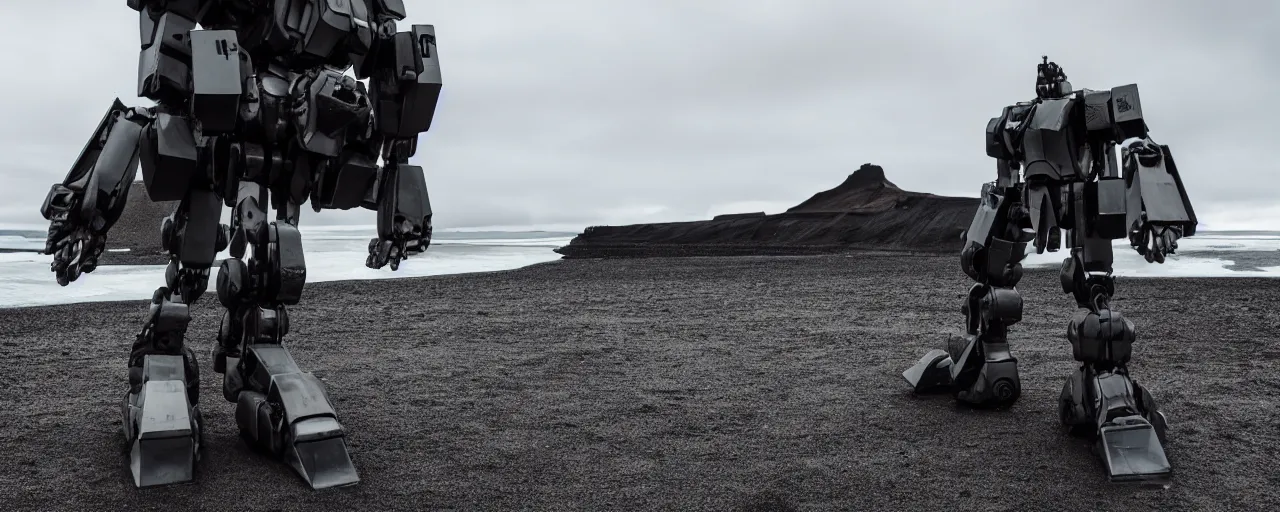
x=406, y=86
x=404, y=75
x=1157, y=209
x=91, y=198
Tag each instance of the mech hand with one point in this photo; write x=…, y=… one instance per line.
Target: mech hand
x=1147, y=151
x=1154, y=241
x=407, y=240
x=74, y=243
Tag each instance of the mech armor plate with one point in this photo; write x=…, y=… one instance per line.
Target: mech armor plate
x=252, y=112
x=1057, y=171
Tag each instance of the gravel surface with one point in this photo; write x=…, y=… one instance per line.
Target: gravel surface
x=752, y=383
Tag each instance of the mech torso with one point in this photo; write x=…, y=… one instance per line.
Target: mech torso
x=1048, y=138
x=1066, y=136
x=298, y=112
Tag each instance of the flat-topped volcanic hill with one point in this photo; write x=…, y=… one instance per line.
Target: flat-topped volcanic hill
x=866, y=212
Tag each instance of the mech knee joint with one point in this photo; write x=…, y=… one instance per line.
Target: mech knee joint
x=996, y=240
x=1103, y=339
x=165, y=329
x=192, y=234
x=997, y=307
x=276, y=279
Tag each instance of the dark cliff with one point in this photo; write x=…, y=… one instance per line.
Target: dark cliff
x=138, y=230
x=866, y=212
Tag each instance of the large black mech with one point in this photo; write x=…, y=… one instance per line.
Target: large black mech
x=1057, y=171
x=253, y=112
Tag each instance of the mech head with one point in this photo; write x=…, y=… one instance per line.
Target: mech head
x=1051, y=80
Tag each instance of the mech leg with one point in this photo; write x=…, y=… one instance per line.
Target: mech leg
x=1100, y=401
x=979, y=368
x=280, y=410
x=161, y=409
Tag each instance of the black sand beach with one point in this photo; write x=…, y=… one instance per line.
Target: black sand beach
x=752, y=383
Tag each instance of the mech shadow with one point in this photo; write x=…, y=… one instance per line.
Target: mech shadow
x=1057, y=171
x=252, y=112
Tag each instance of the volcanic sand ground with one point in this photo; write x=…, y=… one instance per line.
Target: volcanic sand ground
x=677, y=384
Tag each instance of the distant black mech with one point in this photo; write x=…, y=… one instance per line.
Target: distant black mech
x=252, y=112
x=1063, y=142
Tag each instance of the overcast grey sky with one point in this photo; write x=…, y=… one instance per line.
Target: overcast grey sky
x=607, y=111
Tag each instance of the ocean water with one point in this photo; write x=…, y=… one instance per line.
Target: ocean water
x=337, y=253
x=1208, y=254
x=333, y=253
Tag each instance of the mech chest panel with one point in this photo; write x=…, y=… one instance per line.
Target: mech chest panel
x=1053, y=141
